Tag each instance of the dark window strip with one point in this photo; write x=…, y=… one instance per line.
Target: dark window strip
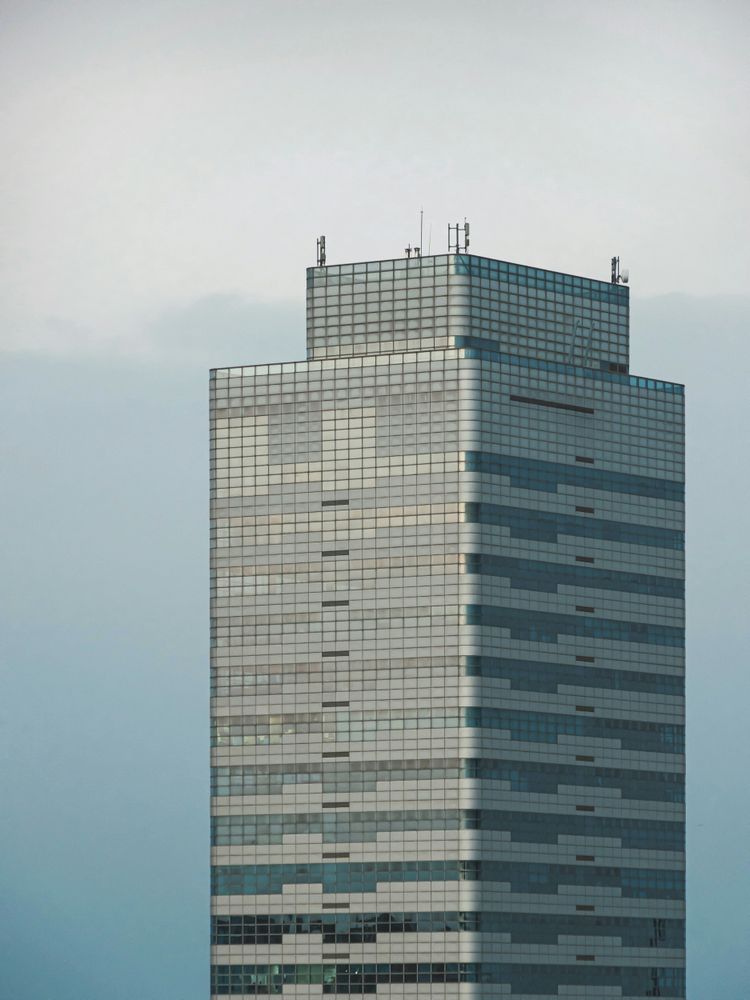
x=524, y=928
x=488, y=350
x=547, y=526
x=556, y=404
x=536, y=474
x=342, y=775
x=540, y=978
x=524, y=877
x=547, y=727
x=523, y=827
x=543, y=626
x=540, y=675
x=534, y=574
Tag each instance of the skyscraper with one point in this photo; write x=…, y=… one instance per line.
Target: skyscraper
x=448, y=646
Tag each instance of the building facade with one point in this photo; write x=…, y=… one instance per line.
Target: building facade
x=448, y=646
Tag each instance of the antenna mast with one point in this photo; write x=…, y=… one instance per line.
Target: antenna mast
x=321, y=258
x=411, y=251
x=459, y=244
x=617, y=275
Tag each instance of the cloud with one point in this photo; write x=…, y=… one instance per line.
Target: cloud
x=214, y=330
x=224, y=329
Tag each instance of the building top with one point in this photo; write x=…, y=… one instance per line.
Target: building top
x=451, y=300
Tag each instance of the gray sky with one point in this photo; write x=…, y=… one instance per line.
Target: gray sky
x=158, y=151
x=166, y=169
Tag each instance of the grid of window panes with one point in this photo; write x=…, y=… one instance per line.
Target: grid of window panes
x=335, y=638
x=576, y=485
x=378, y=307
x=447, y=665
x=413, y=303
x=544, y=314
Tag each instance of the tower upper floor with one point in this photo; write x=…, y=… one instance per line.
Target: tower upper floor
x=461, y=300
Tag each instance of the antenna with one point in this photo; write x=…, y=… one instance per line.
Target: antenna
x=459, y=245
x=618, y=276
x=421, y=226
x=321, y=251
x=411, y=251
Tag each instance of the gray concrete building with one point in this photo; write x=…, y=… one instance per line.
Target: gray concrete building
x=447, y=645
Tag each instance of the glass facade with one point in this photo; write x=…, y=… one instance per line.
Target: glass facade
x=447, y=646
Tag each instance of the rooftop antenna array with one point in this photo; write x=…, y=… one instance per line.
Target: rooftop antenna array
x=321, y=257
x=617, y=275
x=459, y=243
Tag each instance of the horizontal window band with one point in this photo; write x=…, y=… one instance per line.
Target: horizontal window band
x=336, y=906
x=584, y=708
x=523, y=927
x=548, y=526
x=357, y=726
x=365, y=977
x=522, y=876
x=334, y=956
x=335, y=753
x=330, y=553
x=523, y=827
x=585, y=510
x=579, y=958
x=489, y=350
x=547, y=727
x=524, y=673
x=334, y=704
x=585, y=559
x=547, y=676
x=555, y=404
x=334, y=604
x=344, y=776
x=585, y=607
x=334, y=503
x=585, y=857
x=581, y=907
x=335, y=854
x=584, y=460
x=335, y=652
x=587, y=809
x=547, y=577
x=547, y=477
x=539, y=626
